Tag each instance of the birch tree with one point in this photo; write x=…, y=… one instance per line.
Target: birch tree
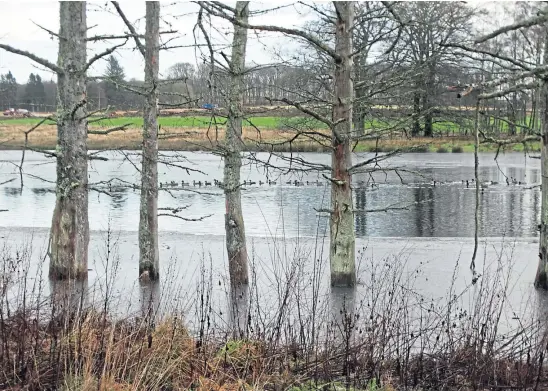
x=69, y=234
x=234, y=220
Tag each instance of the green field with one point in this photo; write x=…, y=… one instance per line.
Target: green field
x=186, y=122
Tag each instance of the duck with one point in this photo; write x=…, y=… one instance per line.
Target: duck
x=270, y=183
x=261, y=183
x=288, y=183
x=298, y=183
x=318, y=183
x=206, y=183
x=173, y=183
x=183, y=183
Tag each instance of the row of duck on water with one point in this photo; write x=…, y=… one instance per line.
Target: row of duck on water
x=295, y=182
x=472, y=183
x=217, y=183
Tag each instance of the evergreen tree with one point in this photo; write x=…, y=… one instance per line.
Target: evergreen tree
x=114, y=75
x=8, y=90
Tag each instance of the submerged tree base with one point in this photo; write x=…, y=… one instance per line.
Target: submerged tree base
x=66, y=273
x=148, y=272
x=342, y=280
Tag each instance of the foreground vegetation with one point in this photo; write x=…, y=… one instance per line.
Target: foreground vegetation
x=260, y=133
x=389, y=337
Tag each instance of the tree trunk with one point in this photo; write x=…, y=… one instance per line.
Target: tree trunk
x=416, y=113
x=541, y=279
x=69, y=235
x=148, y=213
x=359, y=115
x=342, y=236
x=234, y=220
x=427, y=106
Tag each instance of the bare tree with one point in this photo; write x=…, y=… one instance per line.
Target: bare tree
x=433, y=25
x=148, y=211
x=342, y=250
x=541, y=278
x=342, y=247
x=519, y=74
x=234, y=220
x=69, y=235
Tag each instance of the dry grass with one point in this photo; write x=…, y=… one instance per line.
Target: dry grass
x=171, y=138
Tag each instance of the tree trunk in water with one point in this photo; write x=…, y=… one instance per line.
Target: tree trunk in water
x=541, y=279
x=342, y=236
x=234, y=220
x=148, y=214
x=69, y=235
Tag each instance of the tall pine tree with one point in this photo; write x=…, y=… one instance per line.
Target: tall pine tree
x=114, y=75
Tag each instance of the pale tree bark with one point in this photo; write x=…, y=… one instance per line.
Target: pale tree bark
x=148, y=213
x=234, y=221
x=342, y=235
x=70, y=227
x=541, y=279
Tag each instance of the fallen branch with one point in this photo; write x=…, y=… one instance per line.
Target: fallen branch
x=111, y=130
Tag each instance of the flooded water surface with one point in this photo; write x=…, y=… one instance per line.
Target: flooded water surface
x=429, y=226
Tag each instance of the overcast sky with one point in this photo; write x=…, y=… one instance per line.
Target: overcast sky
x=17, y=29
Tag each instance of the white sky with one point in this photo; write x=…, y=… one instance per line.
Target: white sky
x=17, y=29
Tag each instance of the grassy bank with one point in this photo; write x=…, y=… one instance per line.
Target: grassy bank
x=205, y=133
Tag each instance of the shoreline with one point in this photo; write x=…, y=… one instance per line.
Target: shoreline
x=198, y=138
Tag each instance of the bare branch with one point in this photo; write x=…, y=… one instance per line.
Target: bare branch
x=34, y=58
x=8, y=181
x=488, y=53
x=111, y=130
x=98, y=56
x=514, y=88
x=138, y=42
x=184, y=218
x=293, y=32
x=516, y=26
x=48, y=31
x=123, y=36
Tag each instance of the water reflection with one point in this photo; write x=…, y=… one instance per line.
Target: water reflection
x=238, y=311
x=342, y=305
x=150, y=300
x=445, y=209
x=69, y=297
